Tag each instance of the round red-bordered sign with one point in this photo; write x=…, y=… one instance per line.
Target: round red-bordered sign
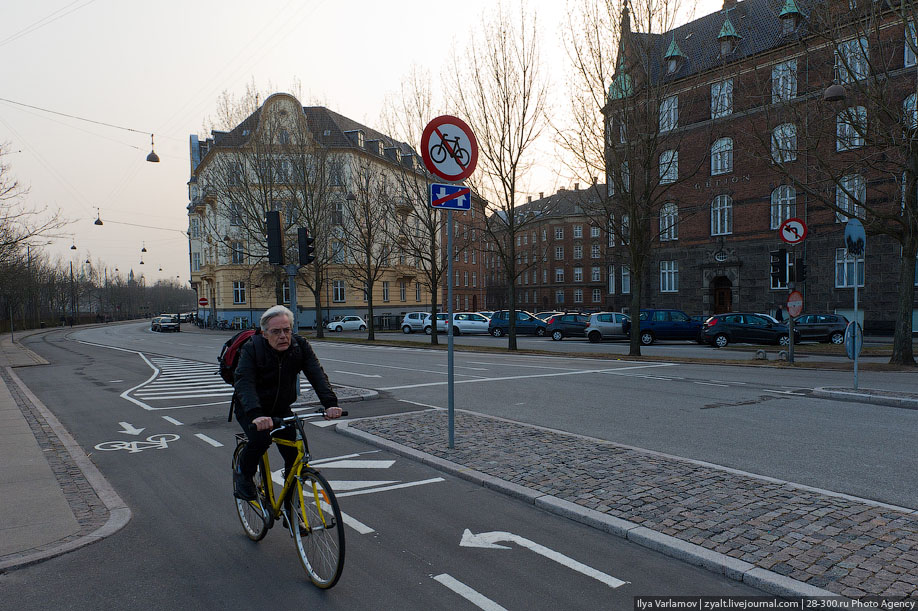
x=449, y=148
x=792, y=231
x=795, y=304
x=202, y=302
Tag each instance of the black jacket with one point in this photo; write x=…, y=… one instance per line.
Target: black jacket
x=268, y=388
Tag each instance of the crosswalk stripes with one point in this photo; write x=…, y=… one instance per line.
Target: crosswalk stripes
x=179, y=383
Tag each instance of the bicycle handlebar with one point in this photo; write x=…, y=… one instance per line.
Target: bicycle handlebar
x=282, y=423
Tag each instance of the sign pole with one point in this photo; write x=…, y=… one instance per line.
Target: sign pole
x=449, y=328
x=856, y=322
x=790, y=319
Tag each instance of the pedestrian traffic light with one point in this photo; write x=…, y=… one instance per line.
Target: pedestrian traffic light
x=799, y=270
x=275, y=238
x=778, y=263
x=306, y=247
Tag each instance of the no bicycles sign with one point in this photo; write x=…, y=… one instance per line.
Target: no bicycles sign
x=449, y=148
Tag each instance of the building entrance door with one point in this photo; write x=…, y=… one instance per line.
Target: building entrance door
x=722, y=290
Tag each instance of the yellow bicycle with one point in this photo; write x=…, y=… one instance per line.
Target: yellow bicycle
x=306, y=504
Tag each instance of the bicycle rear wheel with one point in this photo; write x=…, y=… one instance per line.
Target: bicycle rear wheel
x=317, y=528
x=251, y=513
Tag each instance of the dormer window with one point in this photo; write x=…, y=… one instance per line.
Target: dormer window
x=728, y=38
x=672, y=65
x=790, y=16
x=674, y=57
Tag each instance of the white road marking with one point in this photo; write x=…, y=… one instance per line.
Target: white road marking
x=115, y=381
x=785, y=392
x=340, y=486
x=489, y=540
x=527, y=377
x=362, y=375
x=357, y=464
x=710, y=384
x=432, y=480
x=130, y=429
x=172, y=420
x=476, y=598
x=212, y=442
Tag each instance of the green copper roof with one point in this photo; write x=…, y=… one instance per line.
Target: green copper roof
x=621, y=87
x=728, y=31
x=674, y=50
x=790, y=8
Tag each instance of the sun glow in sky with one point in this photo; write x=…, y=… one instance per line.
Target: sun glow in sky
x=160, y=67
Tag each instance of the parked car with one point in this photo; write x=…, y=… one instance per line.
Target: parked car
x=414, y=321
x=486, y=313
x=723, y=329
x=154, y=324
x=605, y=325
x=560, y=326
x=822, y=327
x=169, y=322
x=664, y=324
x=348, y=323
x=546, y=315
x=464, y=323
x=526, y=322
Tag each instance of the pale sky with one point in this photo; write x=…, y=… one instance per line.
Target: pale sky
x=159, y=67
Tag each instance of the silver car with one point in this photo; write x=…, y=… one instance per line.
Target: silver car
x=605, y=325
x=464, y=323
x=414, y=321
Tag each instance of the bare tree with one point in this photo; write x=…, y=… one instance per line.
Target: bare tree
x=854, y=154
x=496, y=85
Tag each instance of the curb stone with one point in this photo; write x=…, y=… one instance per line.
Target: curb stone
x=738, y=570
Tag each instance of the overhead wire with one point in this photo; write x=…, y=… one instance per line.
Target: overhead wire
x=46, y=20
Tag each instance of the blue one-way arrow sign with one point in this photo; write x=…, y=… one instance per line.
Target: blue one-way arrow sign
x=450, y=197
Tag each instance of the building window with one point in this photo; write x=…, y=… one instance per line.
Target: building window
x=850, y=193
x=195, y=261
x=611, y=287
x=845, y=266
x=559, y=297
x=417, y=292
x=597, y=295
x=402, y=291
x=722, y=156
x=285, y=291
x=578, y=251
x=722, y=98
x=559, y=253
x=783, y=205
x=338, y=291
x=669, y=276
x=722, y=215
x=850, y=127
x=235, y=211
x=784, y=81
x=594, y=251
x=578, y=274
x=669, y=113
x=669, y=219
x=385, y=290
x=578, y=295
x=669, y=167
x=578, y=231
x=559, y=274
x=596, y=274
x=559, y=233
x=366, y=293
x=626, y=280
x=784, y=143
x=238, y=252
x=475, y=279
x=911, y=45
x=594, y=231
x=238, y=292
x=626, y=177
x=910, y=112
x=852, y=60
x=195, y=228
x=465, y=278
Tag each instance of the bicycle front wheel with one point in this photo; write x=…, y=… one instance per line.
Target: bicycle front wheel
x=253, y=516
x=317, y=528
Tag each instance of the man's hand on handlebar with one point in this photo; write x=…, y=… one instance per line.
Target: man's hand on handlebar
x=263, y=423
x=332, y=412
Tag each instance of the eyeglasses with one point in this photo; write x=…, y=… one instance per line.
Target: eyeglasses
x=279, y=332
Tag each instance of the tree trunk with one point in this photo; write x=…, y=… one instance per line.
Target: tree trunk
x=371, y=331
x=903, y=353
x=634, y=347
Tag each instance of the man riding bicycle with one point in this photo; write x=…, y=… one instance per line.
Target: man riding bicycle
x=266, y=386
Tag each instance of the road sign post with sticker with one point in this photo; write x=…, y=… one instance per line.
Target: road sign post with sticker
x=450, y=151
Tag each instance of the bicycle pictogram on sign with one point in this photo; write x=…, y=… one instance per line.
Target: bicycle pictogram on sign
x=449, y=148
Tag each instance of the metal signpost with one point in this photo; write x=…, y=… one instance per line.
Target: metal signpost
x=855, y=242
x=450, y=151
x=793, y=231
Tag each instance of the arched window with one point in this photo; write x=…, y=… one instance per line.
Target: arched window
x=910, y=112
x=669, y=167
x=850, y=193
x=669, y=219
x=783, y=205
x=722, y=215
x=784, y=143
x=851, y=128
x=722, y=156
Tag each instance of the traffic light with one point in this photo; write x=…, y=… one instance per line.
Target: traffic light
x=306, y=247
x=275, y=238
x=799, y=270
x=778, y=263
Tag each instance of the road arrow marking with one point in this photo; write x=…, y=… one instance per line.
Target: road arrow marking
x=489, y=541
x=129, y=429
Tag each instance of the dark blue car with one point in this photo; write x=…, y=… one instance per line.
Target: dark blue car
x=526, y=322
x=665, y=324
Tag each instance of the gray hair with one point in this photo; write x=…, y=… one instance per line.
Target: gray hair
x=273, y=311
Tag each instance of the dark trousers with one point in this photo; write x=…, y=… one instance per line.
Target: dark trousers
x=260, y=441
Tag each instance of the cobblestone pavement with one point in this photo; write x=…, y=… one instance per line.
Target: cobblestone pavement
x=849, y=546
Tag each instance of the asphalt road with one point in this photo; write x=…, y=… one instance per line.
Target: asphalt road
x=184, y=547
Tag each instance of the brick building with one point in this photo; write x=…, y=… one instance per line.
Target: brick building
x=740, y=138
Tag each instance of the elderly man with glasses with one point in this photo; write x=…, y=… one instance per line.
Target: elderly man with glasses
x=265, y=387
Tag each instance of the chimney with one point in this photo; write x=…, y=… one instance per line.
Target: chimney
x=576, y=186
x=594, y=181
x=528, y=199
x=541, y=194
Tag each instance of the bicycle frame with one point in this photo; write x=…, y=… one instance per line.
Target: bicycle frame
x=276, y=502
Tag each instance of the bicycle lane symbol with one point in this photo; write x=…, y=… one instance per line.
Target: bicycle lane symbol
x=153, y=442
